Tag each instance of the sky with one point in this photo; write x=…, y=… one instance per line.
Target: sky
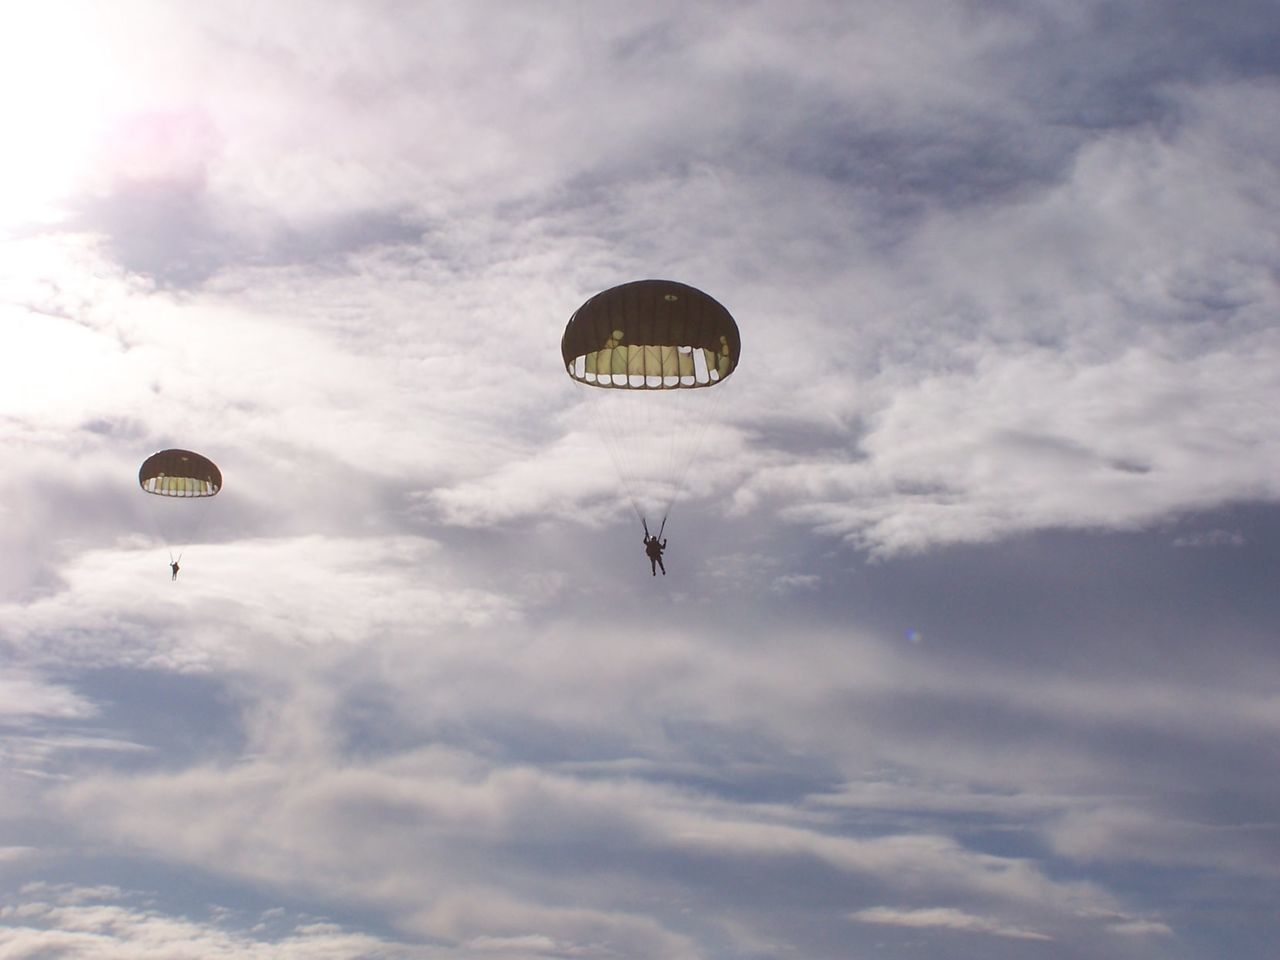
x=967, y=646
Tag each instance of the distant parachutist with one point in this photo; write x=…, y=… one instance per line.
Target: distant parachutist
x=179, y=475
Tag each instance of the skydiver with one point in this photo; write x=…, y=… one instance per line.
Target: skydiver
x=173, y=565
x=653, y=549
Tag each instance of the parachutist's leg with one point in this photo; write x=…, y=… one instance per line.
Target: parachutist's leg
x=664, y=569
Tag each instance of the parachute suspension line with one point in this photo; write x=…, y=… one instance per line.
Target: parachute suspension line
x=653, y=441
x=607, y=429
x=693, y=446
x=661, y=528
x=178, y=522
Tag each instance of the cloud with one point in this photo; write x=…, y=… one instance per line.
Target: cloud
x=968, y=419
x=1006, y=278
x=281, y=591
x=796, y=582
x=1122, y=832
x=487, y=922
x=944, y=918
x=415, y=814
x=24, y=697
x=113, y=924
x=1211, y=538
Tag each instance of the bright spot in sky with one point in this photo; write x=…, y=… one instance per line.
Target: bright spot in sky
x=55, y=96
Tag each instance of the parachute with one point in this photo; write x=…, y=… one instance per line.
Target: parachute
x=651, y=335
x=172, y=477
x=650, y=350
x=179, y=473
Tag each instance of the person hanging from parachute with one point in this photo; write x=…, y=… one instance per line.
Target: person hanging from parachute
x=653, y=548
x=648, y=347
x=182, y=475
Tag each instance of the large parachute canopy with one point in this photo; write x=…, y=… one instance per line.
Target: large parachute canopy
x=649, y=350
x=651, y=335
x=179, y=473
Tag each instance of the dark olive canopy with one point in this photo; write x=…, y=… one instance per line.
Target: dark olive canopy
x=651, y=335
x=179, y=473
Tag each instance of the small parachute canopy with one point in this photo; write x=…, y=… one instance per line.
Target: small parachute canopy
x=179, y=473
x=651, y=335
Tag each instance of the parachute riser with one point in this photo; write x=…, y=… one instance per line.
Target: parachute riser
x=645, y=523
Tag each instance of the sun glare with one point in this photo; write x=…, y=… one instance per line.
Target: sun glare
x=56, y=90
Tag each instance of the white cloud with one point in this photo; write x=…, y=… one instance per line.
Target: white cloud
x=945, y=918
x=487, y=921
x=796, y=582
x=29, y=696
x=1212, y=538
x=1119, y=832
x=106, y=923
x=284, y=594
x=398, y=831
x=985, y=293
